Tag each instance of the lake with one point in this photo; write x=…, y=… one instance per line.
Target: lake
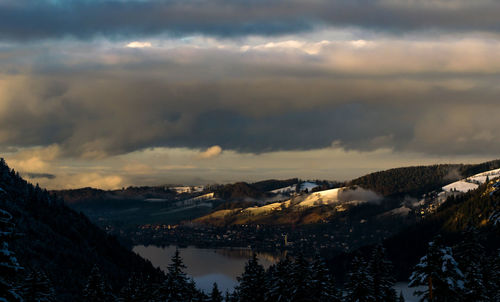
x=206, y=266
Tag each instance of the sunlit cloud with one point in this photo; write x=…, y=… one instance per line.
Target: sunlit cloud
x=211, y=152
x=137, y=44
x=148, y=92
x=160, y=166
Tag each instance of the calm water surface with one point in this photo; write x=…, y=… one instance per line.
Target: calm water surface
x=206, y=266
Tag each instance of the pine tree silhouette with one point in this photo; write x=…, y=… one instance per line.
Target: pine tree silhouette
x=252, y=283
x=439, y=273
x=360, y=283
x=9, y=266
x=278, y=283
x=37, y=287
x=380, y=270
x=215, y=295
x=96, y=289
x=470, y=255
x=322, y=286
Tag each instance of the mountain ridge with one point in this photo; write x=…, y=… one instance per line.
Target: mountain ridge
x=61, y=242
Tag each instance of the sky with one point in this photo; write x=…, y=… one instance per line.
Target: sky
x=114, y=93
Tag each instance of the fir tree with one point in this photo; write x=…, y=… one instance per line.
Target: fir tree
x=136, y=289
x=176, y=286
x=401, y=297
x=360, y=283
x=492, y=277
x=439, y=273
x=252, y=283
x=380, y=270
x=278, y=283
x=96, y=289
x=193, y=294
x=301, y=279
x=227, y=297
x=215, y=295
x=322, y=284
x=470, y=254
x=37, y=287
x=8, y=262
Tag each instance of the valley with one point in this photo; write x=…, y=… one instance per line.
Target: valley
x=277, y=216
x=278, y=219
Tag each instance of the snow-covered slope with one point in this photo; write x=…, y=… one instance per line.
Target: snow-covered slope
x=321, y=197
x=471, y=183
x=308, y=186
x=460, y=186
x=303, y=186
x=187, y=189
x=326, y=197
x=340, y=198
x=284, y=190
x=277, y=206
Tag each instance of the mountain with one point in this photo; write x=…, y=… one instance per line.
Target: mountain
x=62, y=242
x=477, y=209
x=471, y=182
x=132, y=206
x=415, y=181
x=303, y=208
x=394, y=188
x=83, y=195
x=126, y=208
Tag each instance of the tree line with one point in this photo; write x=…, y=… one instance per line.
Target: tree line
x=463, y=273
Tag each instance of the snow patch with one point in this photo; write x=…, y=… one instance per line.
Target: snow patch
x=187, y=189
x=472, y=182
x=277, y=206
x=321, y=198
x=308, y=185
x=460, y=186
x=284, y=190
x=402, y=211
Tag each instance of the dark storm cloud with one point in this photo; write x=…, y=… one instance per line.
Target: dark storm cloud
x=40, y=175
x=429, y=97
x=36, y=19
x=355, y=125
x=98, y=117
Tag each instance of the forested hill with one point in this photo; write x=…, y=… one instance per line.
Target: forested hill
x=415, y=181
x=476, y=210
x=61, y=242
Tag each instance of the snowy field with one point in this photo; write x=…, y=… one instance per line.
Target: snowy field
x=326, y=197
x=407, y=291
x=471, y=183
x=305, y=185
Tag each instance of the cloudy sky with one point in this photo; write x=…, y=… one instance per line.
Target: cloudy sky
x=112, y=93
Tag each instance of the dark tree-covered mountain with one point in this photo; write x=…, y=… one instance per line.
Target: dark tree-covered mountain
x=9, y=266
x=478, y=209
x=130, y=193
x=273, y=184
x=62, y=243
x=419, y=180
x=237, y=191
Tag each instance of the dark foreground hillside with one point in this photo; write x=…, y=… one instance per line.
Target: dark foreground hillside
x=61, y=242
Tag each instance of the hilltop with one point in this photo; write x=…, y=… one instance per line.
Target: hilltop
x=400, y=191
